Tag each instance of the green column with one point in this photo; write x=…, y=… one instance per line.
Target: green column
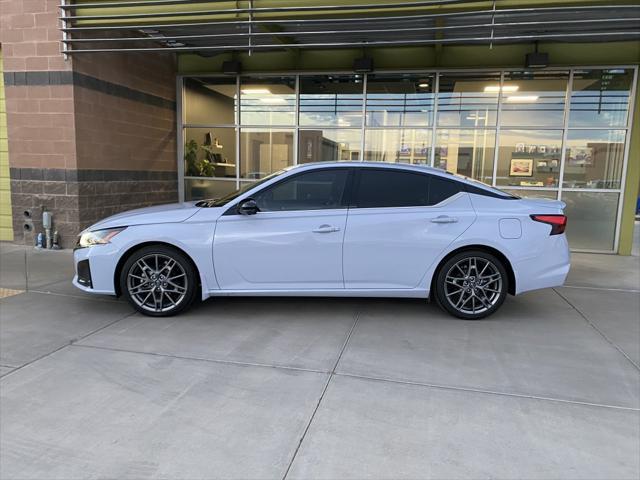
x=632, y=183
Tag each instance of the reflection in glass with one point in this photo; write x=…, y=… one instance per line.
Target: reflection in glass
x=326, y=145
x=600, y=98
x=529, y=158
x=210, y=101
x=264, y=151
x=396, y=145
x=466, y=152
x=331, y=100
x=594, y=159
x=534, y=98
x=591, y=219
x=210, y=152
x=399, y=100
x=551, y=195
x=268, y=100
x=468, y=100
x=201, y=188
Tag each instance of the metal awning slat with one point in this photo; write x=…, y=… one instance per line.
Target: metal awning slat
x=634, y=20
x=494, y=39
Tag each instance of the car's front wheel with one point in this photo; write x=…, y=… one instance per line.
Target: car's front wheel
x=159, y=281
x=471, y=285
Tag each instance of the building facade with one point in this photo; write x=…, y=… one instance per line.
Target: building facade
x=97, y=125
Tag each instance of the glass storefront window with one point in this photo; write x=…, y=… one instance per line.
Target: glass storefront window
x=327, y=145
x=210, y=101
x=268, y=101
x=466, y=152
x=403, y=100
x=210, y=152
x=594, y=159
x=264, y=151
x=529, y=158
x=600, y=98
x=534, y=99
x=201, y=188
x=398, y=145
x=591, y=219
x=237, y=129
x=331, y=100
x=468, y=100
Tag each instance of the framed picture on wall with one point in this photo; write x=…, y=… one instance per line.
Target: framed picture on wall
x=521, y=167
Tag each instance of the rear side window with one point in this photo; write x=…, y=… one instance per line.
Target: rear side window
x=440, y=189
x=389, y=188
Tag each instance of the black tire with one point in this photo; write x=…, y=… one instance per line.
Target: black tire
x=487, y=289
x=170, y=286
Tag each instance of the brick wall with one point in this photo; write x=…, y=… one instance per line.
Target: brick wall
x=88, y=136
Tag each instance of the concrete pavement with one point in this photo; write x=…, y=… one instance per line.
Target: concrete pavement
x=320, y=388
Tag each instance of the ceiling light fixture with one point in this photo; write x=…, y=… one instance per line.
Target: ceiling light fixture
x=255, y=91
x=423, y=85
x=505, y=88
x=523, y=98
x=273, y=100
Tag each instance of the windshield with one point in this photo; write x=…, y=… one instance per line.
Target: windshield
x=219, y=202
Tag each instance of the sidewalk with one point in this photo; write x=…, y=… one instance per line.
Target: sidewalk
x=549, y=387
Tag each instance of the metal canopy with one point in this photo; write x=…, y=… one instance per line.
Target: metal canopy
x=209, y=27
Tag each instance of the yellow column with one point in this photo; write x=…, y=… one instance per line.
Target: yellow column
x=6, y=228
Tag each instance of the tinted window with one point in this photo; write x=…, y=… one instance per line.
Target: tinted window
x=441, y=189
x=389, y=188
x=316, y=190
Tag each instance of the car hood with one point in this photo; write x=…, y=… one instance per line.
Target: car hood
x=170, y=213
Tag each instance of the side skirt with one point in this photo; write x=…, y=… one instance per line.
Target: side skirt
x=356, y=292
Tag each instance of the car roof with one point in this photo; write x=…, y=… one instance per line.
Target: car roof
x=397, y=166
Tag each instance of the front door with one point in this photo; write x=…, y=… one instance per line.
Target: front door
x=294, y=242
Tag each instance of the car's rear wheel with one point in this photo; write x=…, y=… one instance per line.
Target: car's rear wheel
x=159, y=281
x=471, y=285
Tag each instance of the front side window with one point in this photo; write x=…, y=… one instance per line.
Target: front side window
x=315, y=190
x=389, y=188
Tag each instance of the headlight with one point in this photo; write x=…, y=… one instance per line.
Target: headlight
x=97, y=237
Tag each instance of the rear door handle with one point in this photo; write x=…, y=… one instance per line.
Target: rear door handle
x=326, y=229
x=444, y=219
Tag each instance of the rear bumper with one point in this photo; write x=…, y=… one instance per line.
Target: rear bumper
x=547, y=269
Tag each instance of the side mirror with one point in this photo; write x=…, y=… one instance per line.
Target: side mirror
x=248, y=207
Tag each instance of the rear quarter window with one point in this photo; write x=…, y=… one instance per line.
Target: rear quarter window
x=441, y=188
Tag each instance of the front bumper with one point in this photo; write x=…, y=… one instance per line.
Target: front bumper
x=99, y=263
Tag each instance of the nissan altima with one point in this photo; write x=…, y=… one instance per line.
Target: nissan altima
x=332, y=229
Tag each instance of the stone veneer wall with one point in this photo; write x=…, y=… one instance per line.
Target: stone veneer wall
x=78, y=198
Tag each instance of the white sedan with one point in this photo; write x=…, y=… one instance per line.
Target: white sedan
x=333, y=229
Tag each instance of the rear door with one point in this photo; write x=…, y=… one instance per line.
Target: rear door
x=398, y=223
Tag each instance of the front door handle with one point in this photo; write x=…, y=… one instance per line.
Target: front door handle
x=444, y=219
x=326, y=229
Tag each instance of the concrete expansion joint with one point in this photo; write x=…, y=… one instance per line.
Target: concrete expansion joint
x=600, y=332
x=332, y=373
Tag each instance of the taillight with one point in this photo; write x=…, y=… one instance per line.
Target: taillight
x=558, y=222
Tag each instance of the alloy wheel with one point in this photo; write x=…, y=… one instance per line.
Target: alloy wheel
x=473, y=285
x=157, y=283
